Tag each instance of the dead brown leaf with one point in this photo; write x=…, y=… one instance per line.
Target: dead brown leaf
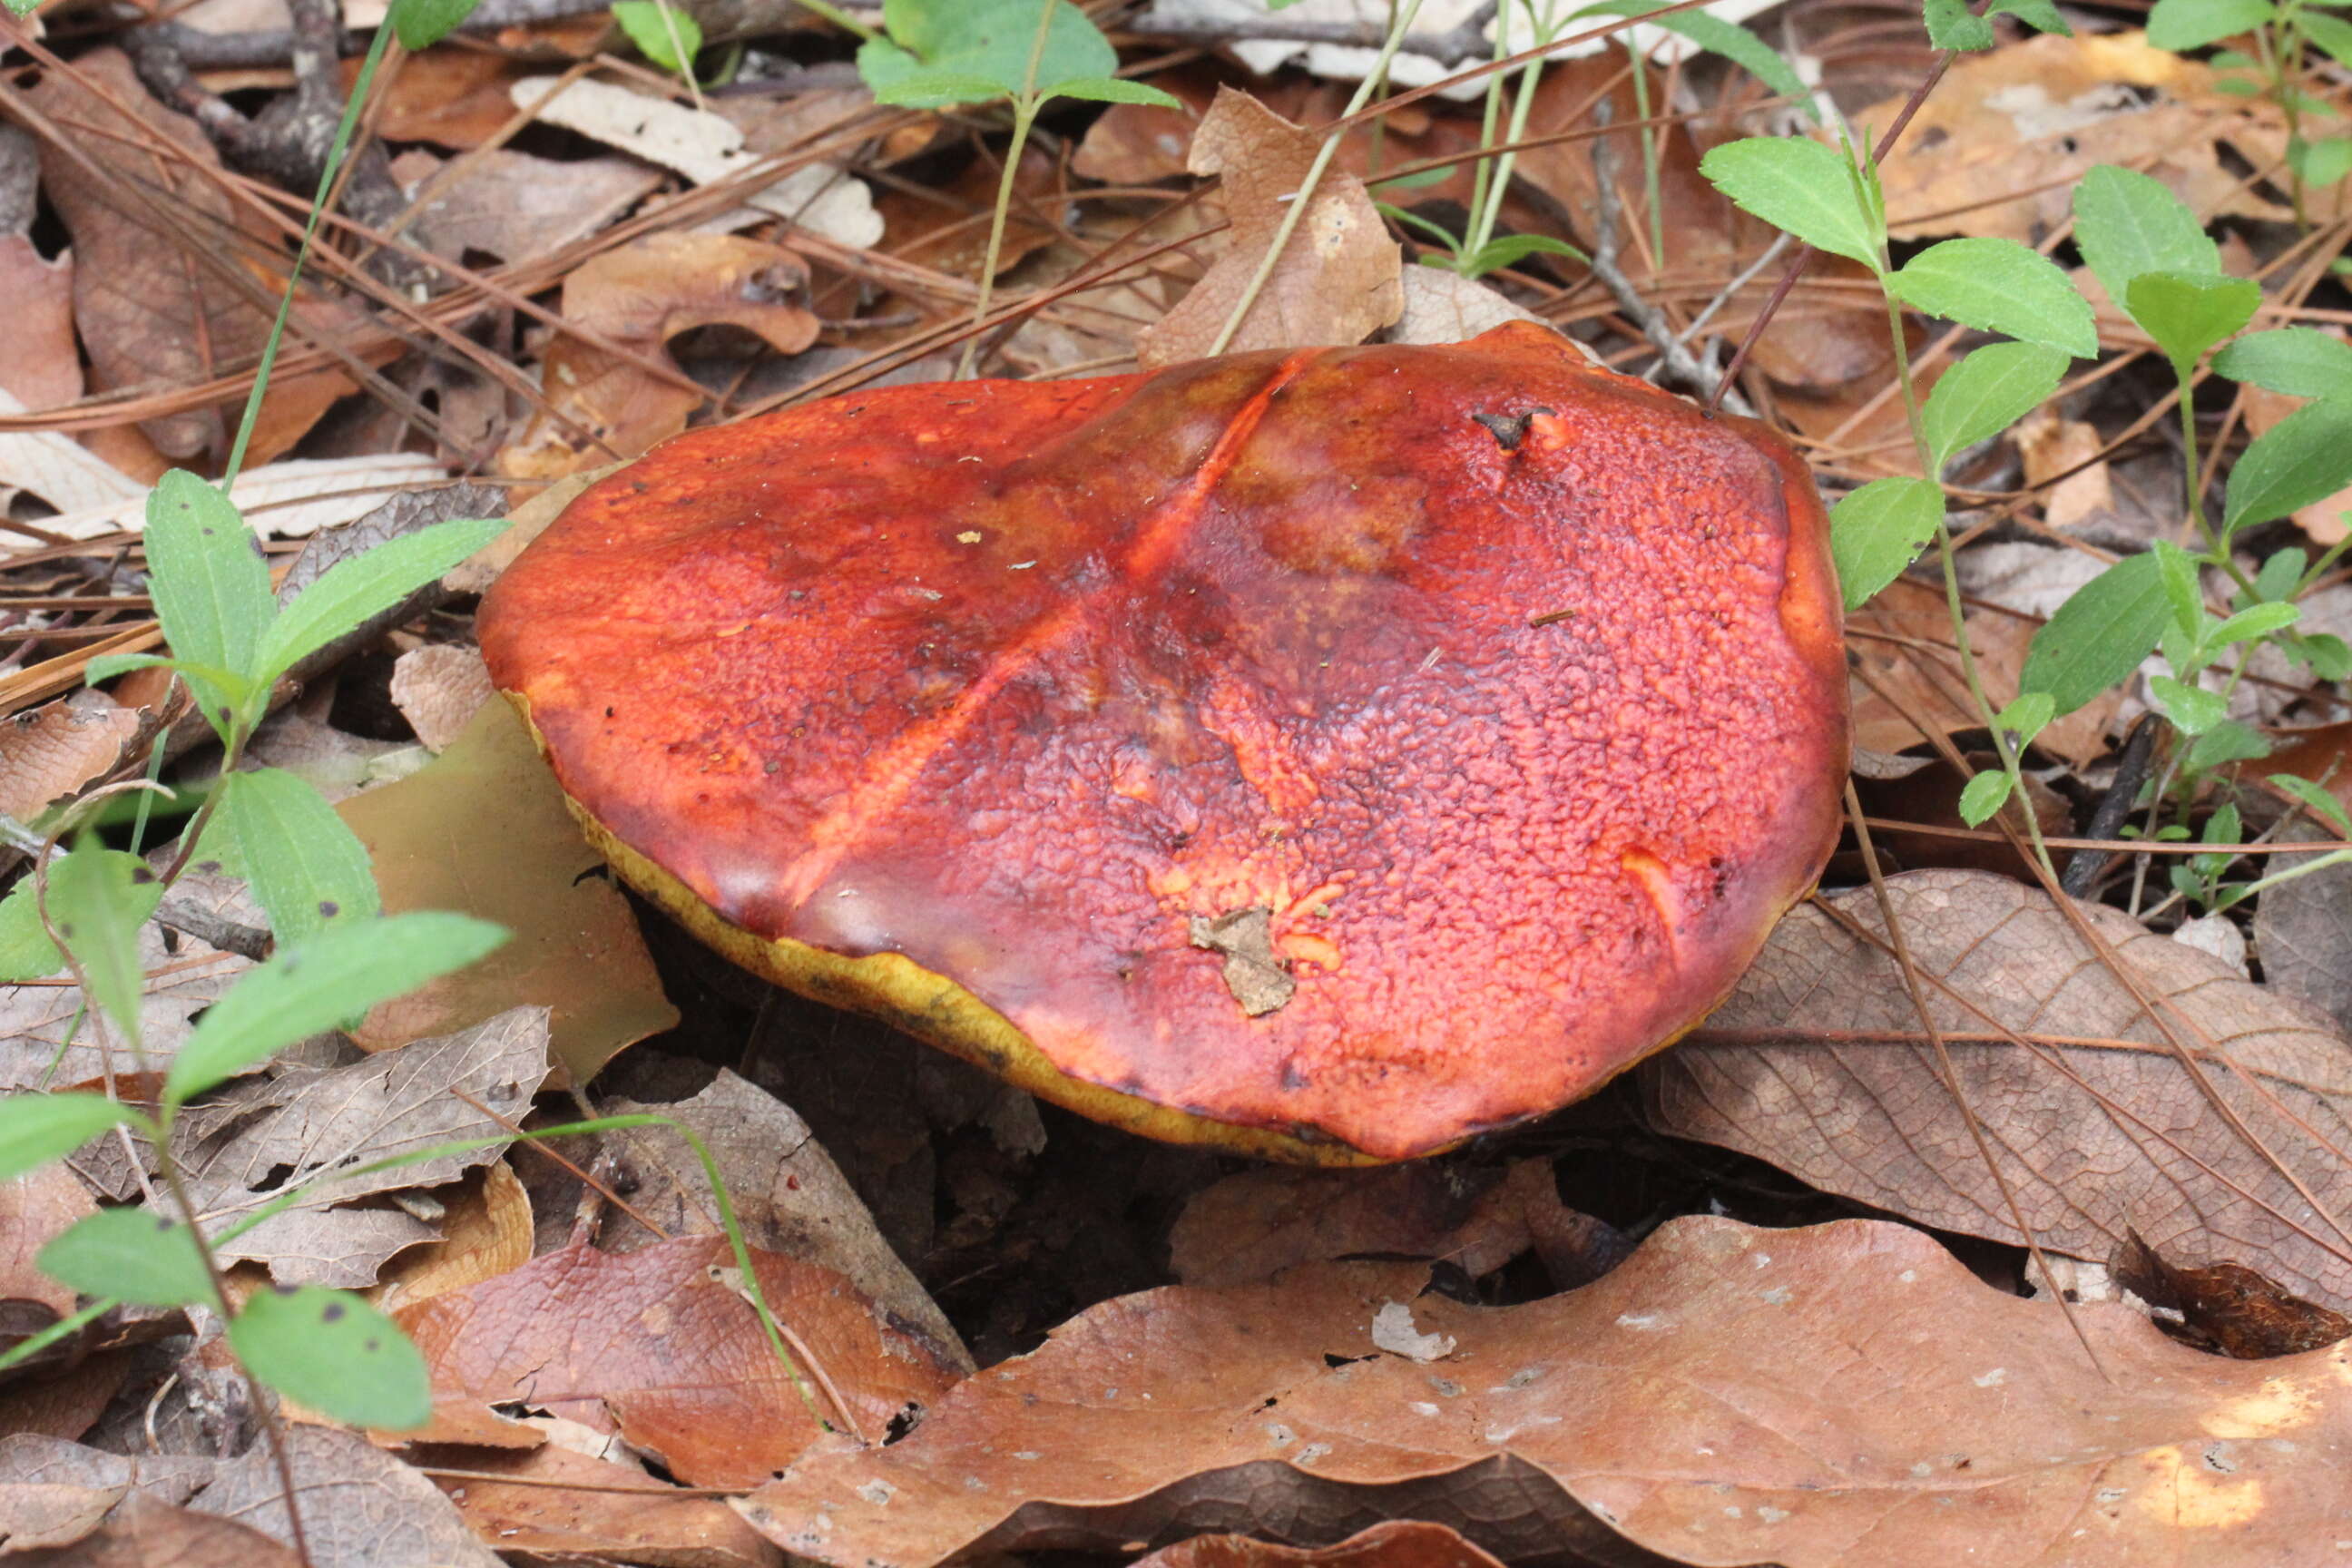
x=1817, y=1064
x=654, y=1345
x=65, y=1403
x=1843, y=1397
x=788, y=1194
x=144, y=1534
x=485, y=1231
x=1336, y=281
x=1999, y=145
x=361, y=1506
x=452, y=98
x=514, y=207
x=945, y=228
x=241, y=1150
x=33, y=1208
x=440, y=688
x=148, y=310
x=49, y=753
x=42, y=1047
x=639, y=296
x=2225, y=1309
x=54, y=1492
x=42, y=368
x=1397, y=1543
x=484, y=830
x=561, y=1503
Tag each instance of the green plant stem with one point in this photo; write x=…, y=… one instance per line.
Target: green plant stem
x=677, y=50
x=2007, y=751
x=2316, y=863
x=1522, y=110
x=1026, y=104
x=377, y=48
x=1482, y=176
x=1306, y=193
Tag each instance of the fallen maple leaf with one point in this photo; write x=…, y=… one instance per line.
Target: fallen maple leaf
x=1336, y=281
x=1819, y=1064
x=1844, y=1396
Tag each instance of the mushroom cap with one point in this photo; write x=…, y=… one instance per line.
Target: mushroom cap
x=1329, y=756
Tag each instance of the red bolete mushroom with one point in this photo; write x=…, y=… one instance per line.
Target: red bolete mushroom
x=1327, y=755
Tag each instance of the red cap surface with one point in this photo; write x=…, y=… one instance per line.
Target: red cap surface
x=1509, y=690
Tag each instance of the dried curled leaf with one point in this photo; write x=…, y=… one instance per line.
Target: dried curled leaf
x=1819, y=1064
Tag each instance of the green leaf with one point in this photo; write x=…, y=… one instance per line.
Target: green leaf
x=2322, y=162
x=1435, y=231
x=1717, y=36
x=2329, y=656
x=421, y=23
x=2179, y=25
x=333, y=1352
x=2322, y=802
x=350, y=592
x=1998, y=285
x=2099, y=635
x=939, y=51
x=1112, y=90
x=307, y=867
x=2027, y=716
x=643, y=22
x=22, y=7
x=2188, y=315
x=98, y=901
x=210, y=585
x=106, y=665
x=2192, y=709
x=313, y=985
x=1952, y=26
x=2257, y=621
x=1416, y=180
x=2178, y=571
x=1799, y=186
x=2281, y=574
x=1987, y=392
x=2127, y=223
x=2305, y=457
x=1982, y=795
x=1878, y=530
x=26, y=950
x=2042, y=16
x=36, y=1129
x=2332, y=34
x=2301, y=362
x=2226, y=742
x=134, y=1255
x=1514, y=249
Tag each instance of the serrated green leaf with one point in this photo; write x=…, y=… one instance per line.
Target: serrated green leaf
x=2192, y=709
x=2188, y=315
x=421, y=23
x=2326, y=804
x=36, y=1129
x=647, y=27
x=2179, y=25
x=1986, y=392
x=1998, y=285
x=132, y=1254
x=1879, y=530
x=306, y=866
x=2127, y=223
x=333, y=1352
x=1982, y=795
x=99, y=899
x=2305, y=457
x=1720, y=36
x=210, y=585
x=1799, y=185
x=2099, y=636
x=350, y=592
x=313, y=985
x=2301, y=362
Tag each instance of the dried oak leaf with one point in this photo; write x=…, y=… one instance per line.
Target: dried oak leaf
x=141, y=192
x=656, y=1345
x=484, y=830
x=1844, y=1396
x=1336, y=281
x=638, y=296
x=564, y=1506
x=2224, y=1307
x=241, y=1150
x=1819, y=1064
